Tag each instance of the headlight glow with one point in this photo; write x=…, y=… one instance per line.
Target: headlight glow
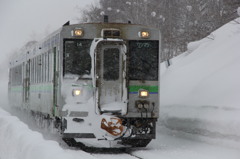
x=144, y=34
x=143, y=93
x=76, y=92
x=78, y=32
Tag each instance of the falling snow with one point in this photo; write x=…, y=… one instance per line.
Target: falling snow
x=153, y=14
x=102, y=13
x=189, y=8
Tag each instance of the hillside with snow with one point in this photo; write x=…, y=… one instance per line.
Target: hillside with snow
x=200, y=91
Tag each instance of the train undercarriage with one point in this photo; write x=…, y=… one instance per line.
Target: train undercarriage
x=137, y=132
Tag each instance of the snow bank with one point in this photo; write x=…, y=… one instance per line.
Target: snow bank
x=210, y=75
x=192, y=46
x=19, y=142
x=200, y=92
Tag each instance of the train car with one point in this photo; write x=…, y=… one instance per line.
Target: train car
x=97, y=82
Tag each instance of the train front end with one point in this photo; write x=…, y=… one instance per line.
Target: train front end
x=110, y=84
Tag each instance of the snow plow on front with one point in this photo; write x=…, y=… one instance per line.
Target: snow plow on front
x=98, y=83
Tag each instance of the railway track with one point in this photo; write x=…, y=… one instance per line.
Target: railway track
x=134, y=155
x=125, y=155
x=102, y=152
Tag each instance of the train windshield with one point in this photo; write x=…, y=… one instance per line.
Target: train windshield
x=111, y=64
x=76, y=58
x=143, y=60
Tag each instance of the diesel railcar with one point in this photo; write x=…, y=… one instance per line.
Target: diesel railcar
x=97, y=82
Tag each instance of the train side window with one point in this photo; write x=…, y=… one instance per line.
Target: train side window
x=42, y=71
x=39, y=69
x=47, y=69
x=17, y=75
x=32, y=61
x=34, y=70
x=50, y=66
x=13, y=76
x=31, y=70
x=20, y=75
x=44, y=68
x=10, y=75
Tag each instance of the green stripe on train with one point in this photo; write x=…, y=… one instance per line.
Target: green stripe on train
x=16, y=89
x=135, y=88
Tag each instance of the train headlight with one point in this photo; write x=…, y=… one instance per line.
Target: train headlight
x=77, y=32
x=143, y=93
x=146, y=105
x=144, y=34
x=76, y=92
x=140, y=105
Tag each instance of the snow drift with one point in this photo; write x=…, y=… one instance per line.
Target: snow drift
x=200, y=92
x=18, y=141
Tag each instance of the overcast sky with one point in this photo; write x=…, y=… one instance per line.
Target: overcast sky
x=23, y=20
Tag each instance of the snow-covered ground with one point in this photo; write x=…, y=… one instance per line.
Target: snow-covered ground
x=19, y=142
x=200, y=107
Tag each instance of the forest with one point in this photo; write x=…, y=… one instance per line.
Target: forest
x=180, y=21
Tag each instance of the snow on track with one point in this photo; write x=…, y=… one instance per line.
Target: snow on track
x=177, y=145
x=116, y=156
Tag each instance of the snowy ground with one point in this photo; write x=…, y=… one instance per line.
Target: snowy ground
x=200, y=107
x=19, y=142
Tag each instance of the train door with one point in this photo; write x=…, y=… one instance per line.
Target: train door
x=55, y=80
x=111, y=78
x=26, y=81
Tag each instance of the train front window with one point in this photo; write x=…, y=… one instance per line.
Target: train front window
x=143, y=60
x=111, y=64
x=76, y=58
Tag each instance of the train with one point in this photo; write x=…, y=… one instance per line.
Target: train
x=98, y=83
